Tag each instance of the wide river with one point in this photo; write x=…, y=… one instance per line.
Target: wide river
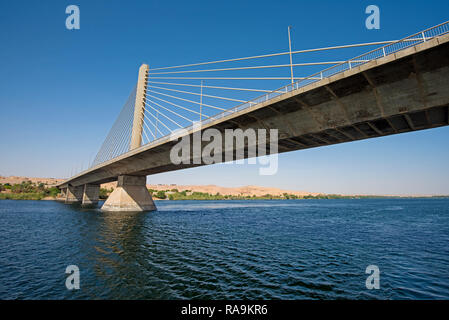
x=278, y=249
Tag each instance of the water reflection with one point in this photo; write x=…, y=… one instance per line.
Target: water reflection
x=222, y=249
x=119, y=239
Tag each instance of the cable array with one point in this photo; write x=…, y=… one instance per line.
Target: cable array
x=118, y=139
x=180, y=96
x=200, y=92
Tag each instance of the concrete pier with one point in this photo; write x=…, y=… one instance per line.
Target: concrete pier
x=396, y=93
x=91, y=194
x=74, y=194
x=63, y=194
x=131, y=194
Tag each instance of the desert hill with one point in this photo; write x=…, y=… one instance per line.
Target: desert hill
x=211, y=189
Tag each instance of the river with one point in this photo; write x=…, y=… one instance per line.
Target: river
x=255, y=249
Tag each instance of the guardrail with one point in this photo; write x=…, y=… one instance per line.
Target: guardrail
x=384, y=51
x=381, y=52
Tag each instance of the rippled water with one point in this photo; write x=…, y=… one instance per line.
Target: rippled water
x=293, y=249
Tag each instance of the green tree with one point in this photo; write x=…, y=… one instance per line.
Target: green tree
x=52, y=192
x=104, y=193
x=160, y=195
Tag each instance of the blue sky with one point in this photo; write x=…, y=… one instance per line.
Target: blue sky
x=61, y=90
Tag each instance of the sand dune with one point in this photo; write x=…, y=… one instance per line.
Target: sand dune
x=212, y=189
x=17, y=180
x=236, y=191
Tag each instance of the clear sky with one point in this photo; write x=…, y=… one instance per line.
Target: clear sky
x=61, y=90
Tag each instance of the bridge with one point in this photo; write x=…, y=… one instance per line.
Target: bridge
x=399, y=86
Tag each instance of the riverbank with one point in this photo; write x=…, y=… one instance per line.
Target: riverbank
x=24, y=188
x=28, y=190
x=202, y=197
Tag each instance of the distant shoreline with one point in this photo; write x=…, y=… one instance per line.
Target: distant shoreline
x=26, y=188
x=251, y=199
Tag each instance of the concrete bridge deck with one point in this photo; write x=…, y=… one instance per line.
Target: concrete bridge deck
x=402, y=92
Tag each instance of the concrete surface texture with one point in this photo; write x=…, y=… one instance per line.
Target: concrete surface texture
x=401, y=92
x=131, y=194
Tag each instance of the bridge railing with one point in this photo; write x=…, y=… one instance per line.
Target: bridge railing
x=384, y=51
x=388, y=49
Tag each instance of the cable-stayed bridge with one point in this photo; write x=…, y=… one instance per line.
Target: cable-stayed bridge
x=397, y=86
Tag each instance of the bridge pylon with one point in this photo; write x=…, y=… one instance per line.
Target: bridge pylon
x=131, y=193
x=139, y=107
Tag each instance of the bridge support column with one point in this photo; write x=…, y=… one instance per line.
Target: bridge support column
x=74, y=194
x=131, y=194
x=91, y=194
x=63, y=194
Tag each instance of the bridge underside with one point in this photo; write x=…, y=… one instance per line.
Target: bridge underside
x=401, y=92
